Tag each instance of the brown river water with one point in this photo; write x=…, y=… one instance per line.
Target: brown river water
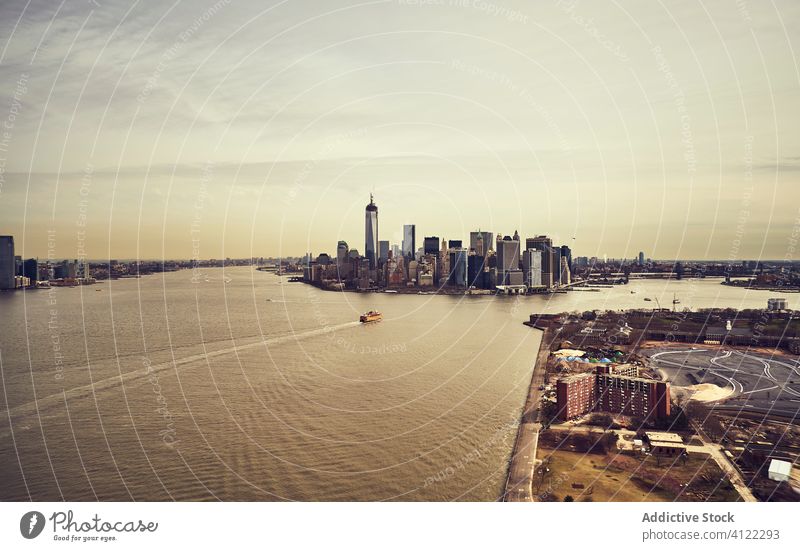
x=236, y=385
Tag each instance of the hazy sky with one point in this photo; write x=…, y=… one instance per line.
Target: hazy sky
x=234, y=128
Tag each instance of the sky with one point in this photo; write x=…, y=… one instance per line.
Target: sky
x=229, y=128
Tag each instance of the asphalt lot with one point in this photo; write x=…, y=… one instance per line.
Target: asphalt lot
x=760, y=382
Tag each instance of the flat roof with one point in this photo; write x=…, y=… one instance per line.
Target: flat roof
x=780, y=467
x=576, y=377
x=627, y=378
x=668, y=445
x=664, y=437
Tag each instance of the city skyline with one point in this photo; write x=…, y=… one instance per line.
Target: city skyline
x=665, y=142
x=399, y=251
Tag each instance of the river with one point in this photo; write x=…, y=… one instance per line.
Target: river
x=233, y=384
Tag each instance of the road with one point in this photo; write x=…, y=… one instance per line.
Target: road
x=519, y=484
x=708, y=448
x=724, y=463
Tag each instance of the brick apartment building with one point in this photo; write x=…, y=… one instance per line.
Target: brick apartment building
x=626, y=370
x=633, y=396
x=602, y=391
x=576, y=395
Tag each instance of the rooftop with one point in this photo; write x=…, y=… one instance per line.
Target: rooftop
x=668, y=445
x=780, y=467
x=662, y=437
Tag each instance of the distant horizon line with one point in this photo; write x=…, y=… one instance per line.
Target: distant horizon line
x=299, y=257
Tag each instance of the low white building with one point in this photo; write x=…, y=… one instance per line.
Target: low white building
x=780, y=471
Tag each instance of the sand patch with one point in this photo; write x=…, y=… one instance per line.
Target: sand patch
x=704, y=392
x=566, y=352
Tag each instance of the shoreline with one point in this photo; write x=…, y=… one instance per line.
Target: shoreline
x=519, y=477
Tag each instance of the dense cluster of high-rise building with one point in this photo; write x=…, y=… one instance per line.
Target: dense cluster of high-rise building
x=19, y=273
x=505, y=263
x=16, y=273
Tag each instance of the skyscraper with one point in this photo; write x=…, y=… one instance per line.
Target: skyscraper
x=641, y=258
x=409, y=240
x=371, y=234
x=383, y=254
x=507, y=251
x=30, y=269
x=458, y=266
x=480, y=242
x=341, y=253
x=544, y=244
x=8, y=266
x=431, y=245
x=532, y=267
x=556, y=264
x=566, y=276
x=566, y=252
x=344, y=265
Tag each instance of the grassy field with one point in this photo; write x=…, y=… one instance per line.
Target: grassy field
x=615, y=477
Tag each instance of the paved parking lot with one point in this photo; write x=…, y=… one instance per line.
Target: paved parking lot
x=759, y=382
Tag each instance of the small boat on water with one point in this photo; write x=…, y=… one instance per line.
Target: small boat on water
x=648, y=299
x=675, y=300
x=370, y=316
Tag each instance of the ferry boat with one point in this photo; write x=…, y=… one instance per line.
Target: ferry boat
x=370, y=316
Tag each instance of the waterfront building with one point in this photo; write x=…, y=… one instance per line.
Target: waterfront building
x=556, y=265
x=633, y=396
x=507, y=253
x=514, y=277
x=532, y=268
x=8, y=270
x=476, y=271
x=641, y=258
x=371, y=234
x=566, y=252
x=458, y=266
x=30, y=269
x=544, y=244
x=566, y=276
x=607, y=392
x=66, y=269
x=575, y=396
x=409, y=240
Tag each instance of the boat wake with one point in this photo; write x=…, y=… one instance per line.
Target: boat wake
x=47, y=403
